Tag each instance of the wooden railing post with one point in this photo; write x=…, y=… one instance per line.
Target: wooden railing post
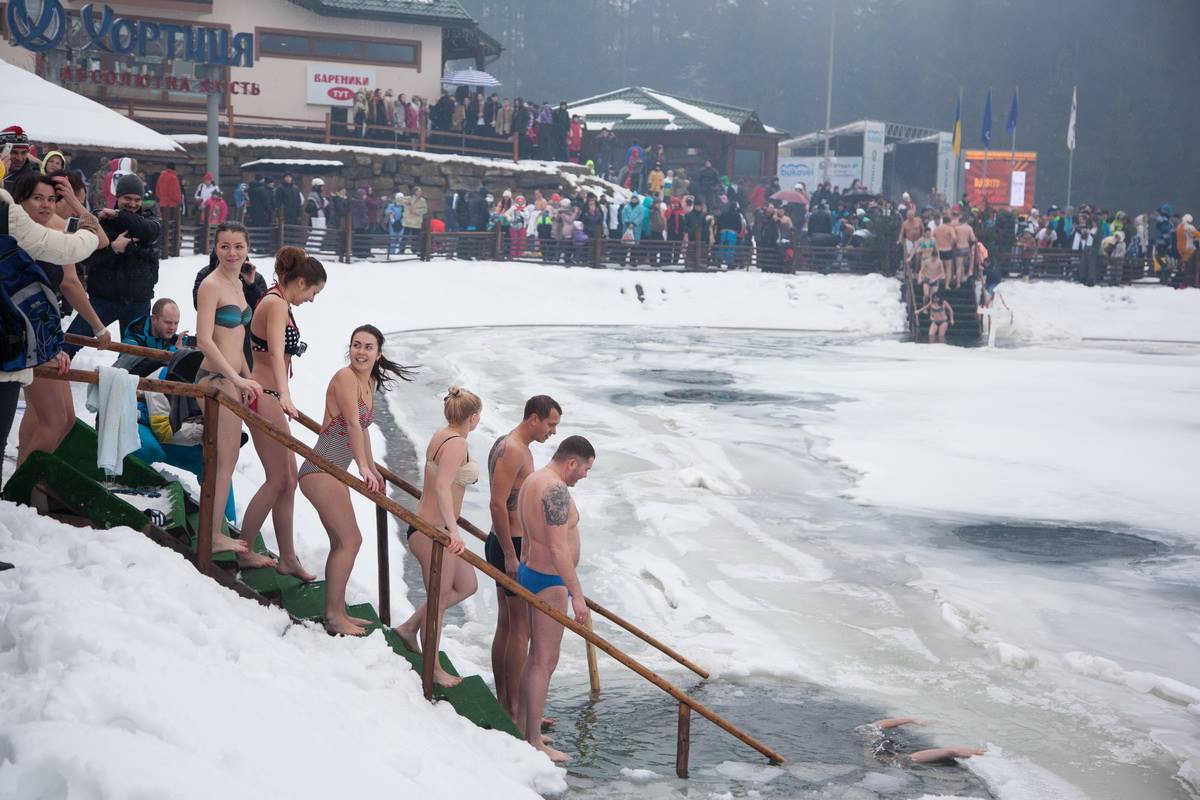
x=348, y=233
x=516, y=147
x=497, y=242
x=433, y=601
x=683, y=741
x=593, y=664
x=328, y=127
x=597, y=250
x=421, y=138
x=426, y=252
x=385, y=580
x=229, y=117
x=208, y=486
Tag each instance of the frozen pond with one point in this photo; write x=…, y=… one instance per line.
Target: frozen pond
x=716, y=519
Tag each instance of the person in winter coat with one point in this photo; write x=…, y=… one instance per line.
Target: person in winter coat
x=575, y=139
x=315, y=206
x=216, y=210
x=121, y=277
x=564, y=226
x=359, y=111
x=360, y=222
x=561, y=124
x=394, y=214
x=592, y=217
x=442, y=111
x=544, y=222
x=415, y=209
x=517, y=232
x=709, y=180
x=260, y=210
x=288, y=201
x=631, y=214
x=458, y=117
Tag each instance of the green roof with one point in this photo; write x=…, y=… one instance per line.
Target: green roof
x=642, y=109
x=419, y=11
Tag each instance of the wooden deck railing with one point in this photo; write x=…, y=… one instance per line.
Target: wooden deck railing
x=213, y=401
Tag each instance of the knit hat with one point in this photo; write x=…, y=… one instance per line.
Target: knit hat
x=208, y=177
x=1187, y=219
x=318, y=182
x=506, y=193
x=519, y=200
x=564, y=203
x=399, y=196
x=130, y=183
x=14, y=135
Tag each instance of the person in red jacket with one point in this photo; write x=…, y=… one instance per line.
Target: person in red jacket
x=170, y=198
x=575, y=139
x=216, y=209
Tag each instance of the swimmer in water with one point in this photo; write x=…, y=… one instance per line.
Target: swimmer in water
x=884, y=748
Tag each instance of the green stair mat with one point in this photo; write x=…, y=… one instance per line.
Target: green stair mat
x=193, y=525
x=471, y=699
x=266, y=581
x=79, y=450
x=80, y=492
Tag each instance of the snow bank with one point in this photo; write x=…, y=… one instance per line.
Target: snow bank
x=127, y=674
x=1060, y=311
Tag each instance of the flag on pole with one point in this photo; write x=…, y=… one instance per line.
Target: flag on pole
x=956, y=142
x=1071, y=124
x=987, y=121
x=1010, y=127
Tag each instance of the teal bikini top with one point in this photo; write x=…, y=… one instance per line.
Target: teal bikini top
x=233, y=317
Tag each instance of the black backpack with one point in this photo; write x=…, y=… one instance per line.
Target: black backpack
x=31, y=330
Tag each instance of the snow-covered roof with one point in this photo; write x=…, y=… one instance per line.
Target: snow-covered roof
x=51, y=114
x=292, y=162
x=640, y=108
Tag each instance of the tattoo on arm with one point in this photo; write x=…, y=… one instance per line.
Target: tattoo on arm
x=555, y=504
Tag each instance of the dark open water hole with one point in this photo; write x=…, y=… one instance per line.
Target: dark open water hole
x=1058, y=544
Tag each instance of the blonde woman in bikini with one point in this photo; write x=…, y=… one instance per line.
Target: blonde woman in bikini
x=941, y=315
x=932, y=272
x=449, y=470
x=221, y=319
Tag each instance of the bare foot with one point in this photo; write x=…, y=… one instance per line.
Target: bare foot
x=557, y=756
x=366, y=623
x=342, y=626
x=549, y=722
x=291, y=566
x=547, y=739
x=254, y=560
x=445, y=679
x=410, y=639
x=224, y=544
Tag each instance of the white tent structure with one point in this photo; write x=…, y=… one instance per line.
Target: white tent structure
x=51, y=114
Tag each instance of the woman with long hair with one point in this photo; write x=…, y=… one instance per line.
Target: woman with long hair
x=275, y=341
x=49, y=408
x=349, y=411
x=222, y=315
x=449, y=470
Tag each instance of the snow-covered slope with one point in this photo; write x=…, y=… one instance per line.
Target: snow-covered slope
x=128, y=674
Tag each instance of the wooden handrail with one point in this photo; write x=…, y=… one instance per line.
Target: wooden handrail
x=391, y=506
x=413, y=491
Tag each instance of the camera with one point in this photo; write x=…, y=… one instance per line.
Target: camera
x=188, y=341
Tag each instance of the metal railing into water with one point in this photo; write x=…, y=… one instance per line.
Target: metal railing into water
x=213, y=401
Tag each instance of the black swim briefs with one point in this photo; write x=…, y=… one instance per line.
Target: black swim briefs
x=495, y=555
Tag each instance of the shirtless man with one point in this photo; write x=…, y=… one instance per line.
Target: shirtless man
x=944, y=237
x=885, y=749
x=509, y=464
x=551, y=524
x=910, y=232
x=964, y=245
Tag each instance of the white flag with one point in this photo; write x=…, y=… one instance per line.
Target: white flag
x=1071, y=124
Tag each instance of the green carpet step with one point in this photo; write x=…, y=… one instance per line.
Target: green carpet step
x=401, y=649
x=81, y=493
x=79, y=450
x=266, y=581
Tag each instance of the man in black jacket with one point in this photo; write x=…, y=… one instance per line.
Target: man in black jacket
x=709, y=179
x=288, y=201
x=442, y=111
x=261, y=211
x=122, y=276
x=477, y=219
x=561, y=127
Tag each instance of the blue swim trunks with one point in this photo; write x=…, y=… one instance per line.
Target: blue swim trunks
x=535, y=581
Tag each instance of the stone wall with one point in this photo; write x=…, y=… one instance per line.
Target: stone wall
x=386, y=171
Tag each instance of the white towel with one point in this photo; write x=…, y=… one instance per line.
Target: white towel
x=117, y=430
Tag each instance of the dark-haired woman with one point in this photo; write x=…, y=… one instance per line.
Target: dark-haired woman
x=349, y=411
x=275, y=340
x=222, y=315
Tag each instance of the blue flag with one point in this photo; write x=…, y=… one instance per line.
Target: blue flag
x=987, y=121
x=1010, y=127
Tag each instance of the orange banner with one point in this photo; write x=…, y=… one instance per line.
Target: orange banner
x=1000, y=179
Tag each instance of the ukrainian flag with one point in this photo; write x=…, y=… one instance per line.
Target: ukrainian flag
x=956, y=144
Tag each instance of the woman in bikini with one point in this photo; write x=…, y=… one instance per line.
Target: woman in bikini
x=941, y=315
x=349, y=411
x=275, y=340
x=221, y=319
x=449, y=470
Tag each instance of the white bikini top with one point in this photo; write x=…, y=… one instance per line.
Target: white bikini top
x=468, y=473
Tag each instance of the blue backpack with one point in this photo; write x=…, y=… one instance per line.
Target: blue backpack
x=31, y=330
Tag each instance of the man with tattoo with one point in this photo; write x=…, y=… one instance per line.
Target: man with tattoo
x=509, y=464
x=551, y=524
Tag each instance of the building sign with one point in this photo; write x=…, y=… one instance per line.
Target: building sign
x=872, y=171
x=42, y=27
x=811, y=170
x=331, y=85
x=169, y=83
x=947, y=166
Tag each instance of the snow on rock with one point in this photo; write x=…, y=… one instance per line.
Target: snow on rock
x=128, y=674
x=1056, y=310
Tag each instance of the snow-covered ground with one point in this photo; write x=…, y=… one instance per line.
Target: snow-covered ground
x=1048, y=427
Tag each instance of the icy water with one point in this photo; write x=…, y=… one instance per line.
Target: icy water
x=714, y=520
